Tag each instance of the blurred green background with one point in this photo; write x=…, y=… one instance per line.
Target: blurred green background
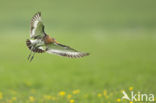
x=119, y=34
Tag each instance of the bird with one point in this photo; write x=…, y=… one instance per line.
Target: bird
x=41, y=42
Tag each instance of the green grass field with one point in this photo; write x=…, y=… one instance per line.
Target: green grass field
x=119, y=35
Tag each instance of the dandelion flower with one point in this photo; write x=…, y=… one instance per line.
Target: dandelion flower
x=130, y=102
x=99, y=95
x=53, y=98
x=69, y=96
x=76, y=91
x=47, y=97
x=105, y=92
x=9, y=101
x=118, y=100
x=130, y=88
x=14, y=98
x=62, y=93
x=31, y=99
x=1, y=95
x=72, y=101
x=107, y=97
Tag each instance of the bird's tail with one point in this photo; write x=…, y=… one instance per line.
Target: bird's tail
x=35, y=49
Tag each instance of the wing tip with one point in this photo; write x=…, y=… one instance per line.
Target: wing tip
x=36, y=16
x=84, y=54
x=37, y=13
x=78, y=56
x=87, y=54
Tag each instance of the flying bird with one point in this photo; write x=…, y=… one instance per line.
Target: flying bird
x=40, y=42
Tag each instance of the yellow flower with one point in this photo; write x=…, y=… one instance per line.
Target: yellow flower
x=69, y=96
x=1, y=95
x=9, y=101
x=76, y=91
x=118, y=100
x=14, y=98
x=105, y=92
x=99, y=95
x=47, y=97
x=53, y=98
x=130, y=102
x=130, y=88
x=72, y=101
x=31, y=99
x=107, y=97
x=62, y=93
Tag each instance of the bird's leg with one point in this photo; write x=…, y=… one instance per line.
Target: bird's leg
x=33, y=54
x=32, y=57
x=33, y=47
x=30, y=53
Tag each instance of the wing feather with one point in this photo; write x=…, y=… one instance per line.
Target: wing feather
x=37, y=27
x=63, y=50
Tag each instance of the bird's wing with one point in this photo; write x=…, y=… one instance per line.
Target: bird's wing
x=37, y=27
x=63, y=50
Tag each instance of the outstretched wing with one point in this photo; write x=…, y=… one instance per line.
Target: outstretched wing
x=63, y=50
x=37, y=27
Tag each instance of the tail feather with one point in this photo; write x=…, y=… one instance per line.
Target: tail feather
x=37, y=50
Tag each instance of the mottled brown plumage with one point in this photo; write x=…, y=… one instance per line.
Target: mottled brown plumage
x=47, y=39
